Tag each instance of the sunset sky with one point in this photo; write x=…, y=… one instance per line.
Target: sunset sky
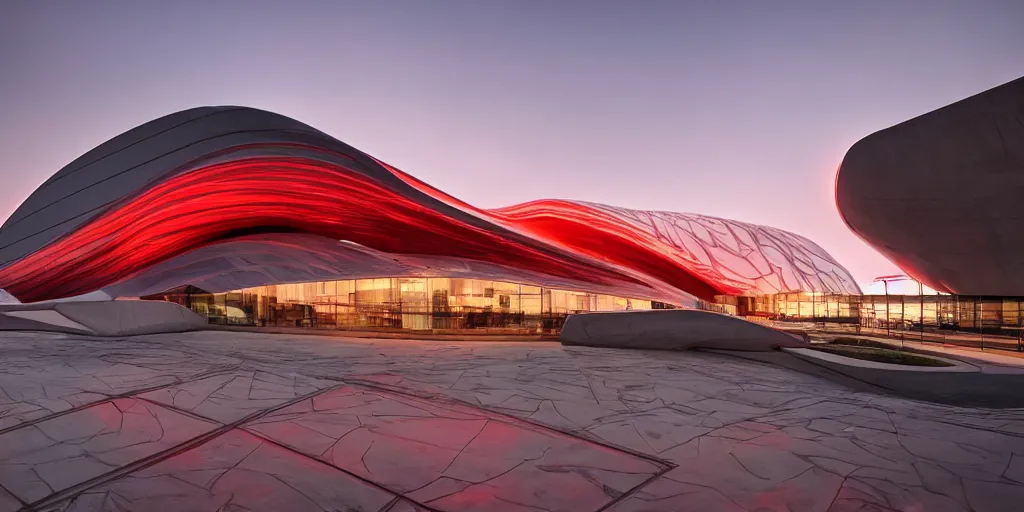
x=738, y=109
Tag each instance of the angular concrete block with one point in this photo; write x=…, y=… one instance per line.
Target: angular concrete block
x=131, y=317
x=674, y=329
x=47, y=317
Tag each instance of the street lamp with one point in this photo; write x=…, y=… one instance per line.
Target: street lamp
x=885, y=280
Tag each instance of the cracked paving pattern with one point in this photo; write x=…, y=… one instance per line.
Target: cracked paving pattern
x=232, y=396
x=740, y=435
x=454, y=457
x=235, y=471
x=38, y=380
x=8, y=501
x=52, y=455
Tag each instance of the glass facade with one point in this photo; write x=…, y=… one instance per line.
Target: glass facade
x=416, y=303
x=441, y=305
x=954, y=312
x=987, y=322
x=807, y=305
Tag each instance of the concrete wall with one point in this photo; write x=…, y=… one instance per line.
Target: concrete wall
x=960, y=388
x=673, y=329
x=107, y=318
x=942, y=195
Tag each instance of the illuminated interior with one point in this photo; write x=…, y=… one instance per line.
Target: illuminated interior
x=402, y=303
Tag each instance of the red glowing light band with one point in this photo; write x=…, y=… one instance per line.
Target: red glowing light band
x=240, y=197
x=198, y=205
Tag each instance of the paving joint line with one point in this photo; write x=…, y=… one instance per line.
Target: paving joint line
x=108, y=398
x=391, y=504
x=402, y=496
x=622, y=497
x=179, y=410
x=398, y=495
x=15, y=496
x=664, y=466
x=441, y=398
x=158, y=457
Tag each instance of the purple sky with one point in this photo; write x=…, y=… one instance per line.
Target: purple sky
x=735, y=109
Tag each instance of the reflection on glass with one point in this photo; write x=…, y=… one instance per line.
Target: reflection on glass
x=417, y=303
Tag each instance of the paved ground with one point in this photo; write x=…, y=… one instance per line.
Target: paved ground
x=234, y=421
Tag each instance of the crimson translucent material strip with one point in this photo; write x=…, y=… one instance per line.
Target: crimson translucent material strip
x=242, y=197
x=589, y=245
x=702, y=255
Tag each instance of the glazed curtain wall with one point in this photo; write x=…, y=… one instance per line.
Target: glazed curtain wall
x=402, y=303
x=808, y=306
x=944, y=311
x=970, y=321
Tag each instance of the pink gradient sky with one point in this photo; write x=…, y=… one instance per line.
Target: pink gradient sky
x=736, y=109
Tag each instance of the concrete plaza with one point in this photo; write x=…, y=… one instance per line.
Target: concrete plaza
x=254, y=421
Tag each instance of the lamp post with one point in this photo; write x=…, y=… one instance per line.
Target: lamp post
x=978, y=320
x=920, y=294
x=888, y=332
x=885, y=282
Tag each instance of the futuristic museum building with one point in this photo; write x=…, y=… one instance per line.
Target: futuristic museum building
x=246, y=216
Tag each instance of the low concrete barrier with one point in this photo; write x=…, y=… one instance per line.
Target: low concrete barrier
x=966, y=384
x=104, y=318
x=672, y=329
x=129, y=317
x=6, y=298
x=46, y=320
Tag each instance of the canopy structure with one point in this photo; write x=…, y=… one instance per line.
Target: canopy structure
x=230, y=197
